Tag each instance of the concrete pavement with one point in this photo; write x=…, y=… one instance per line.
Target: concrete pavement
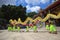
x=41, y=35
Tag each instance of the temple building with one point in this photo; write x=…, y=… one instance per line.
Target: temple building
x=54, y=8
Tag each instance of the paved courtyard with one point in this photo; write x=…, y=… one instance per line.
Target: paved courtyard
x=43, y=34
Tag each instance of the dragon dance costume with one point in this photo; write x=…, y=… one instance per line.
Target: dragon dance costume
x=52, y=28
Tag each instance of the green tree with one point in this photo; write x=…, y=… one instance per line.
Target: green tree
x=31, y=14
x=14, y=12
x=1, y=14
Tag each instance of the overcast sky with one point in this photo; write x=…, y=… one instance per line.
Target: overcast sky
x=31, y=5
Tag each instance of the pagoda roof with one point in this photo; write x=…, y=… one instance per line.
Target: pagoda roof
x=52, y=5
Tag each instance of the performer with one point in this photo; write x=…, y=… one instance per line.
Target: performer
x=14, y=28
x=9, y=28
x=38, y=24
x=35, y=28
x=10, y=25
x=18, y=28
x=18, y=25
x=27, y=28
x=31, y=25
x=53, y=28
x=14, y=25
x=47, y=26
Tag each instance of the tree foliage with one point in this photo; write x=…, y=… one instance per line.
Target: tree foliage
x=31, y=14
x=13, y=12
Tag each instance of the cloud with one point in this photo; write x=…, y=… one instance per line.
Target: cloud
x=33, y=2
x=53, y=0
x=22, y=2
x=28, y=7
x=44, y=1
x=36, y=2
x=33, y=9
x=11, y=2
x=6, y=2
